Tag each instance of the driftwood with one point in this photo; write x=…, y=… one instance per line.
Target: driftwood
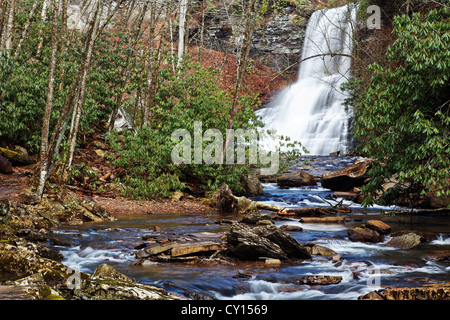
x=17, y=157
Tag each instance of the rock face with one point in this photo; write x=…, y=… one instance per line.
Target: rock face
x=346, y=179
x=251, y=243
x=277, y=42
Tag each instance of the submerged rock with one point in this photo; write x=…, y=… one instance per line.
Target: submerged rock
x=318, y=280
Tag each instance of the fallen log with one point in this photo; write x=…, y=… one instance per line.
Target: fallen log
x=17, y=157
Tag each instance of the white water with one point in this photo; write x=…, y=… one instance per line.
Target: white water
x=311, y=110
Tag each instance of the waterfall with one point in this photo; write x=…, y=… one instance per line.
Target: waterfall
x=311, y=110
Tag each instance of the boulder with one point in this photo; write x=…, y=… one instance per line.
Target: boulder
x=5, y=166
x=378, y=226
x=287, y=227
x=251, y=185
x=406, y=241
x=364, y=235
x=251, y=243
x=372, y=295
x=296, y=179
x=255, y=218
x=108, y=284
x=348, y=178
x=317, y=249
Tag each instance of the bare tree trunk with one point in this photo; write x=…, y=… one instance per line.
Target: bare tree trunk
x=8, y=24
x=79, y=102
x=137, y=35
x=154, y=60
x=25, y=29
x=43, y=18
x=43, y=155
x=182, y=11
x=252, y=12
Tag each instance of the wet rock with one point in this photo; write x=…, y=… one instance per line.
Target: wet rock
x=364, y=235
x=287, y=227
x=19, y=261
x=373, y=295
x=439, y=291
x=272, y=262
x=108, y=284
x=437, y=255
x=318, y=280
x=378, y=226
x=406, y=241
x=348, y=178
x=296, y=179
x=255, y=218
x=316, y=249
x=251, y=243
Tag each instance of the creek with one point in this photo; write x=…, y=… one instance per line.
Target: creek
x=363, y=267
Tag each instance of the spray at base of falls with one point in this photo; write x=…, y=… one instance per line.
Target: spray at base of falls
x=311, y=110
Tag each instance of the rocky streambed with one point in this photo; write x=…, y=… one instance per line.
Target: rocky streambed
x=319, y=246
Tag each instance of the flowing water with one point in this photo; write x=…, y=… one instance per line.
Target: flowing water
x=311, y=110
x=363, y=267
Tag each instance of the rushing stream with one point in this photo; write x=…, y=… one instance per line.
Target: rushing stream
x=363, y=267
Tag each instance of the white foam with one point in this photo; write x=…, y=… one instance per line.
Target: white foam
x=82, y=259
x=441, y=240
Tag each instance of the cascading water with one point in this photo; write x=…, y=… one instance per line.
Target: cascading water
x=311, y=110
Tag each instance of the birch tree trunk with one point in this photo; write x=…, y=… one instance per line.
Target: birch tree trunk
x=43, y=155
x=82, y=88
x=154, y=60
x=8, y=24
x=43, y=18
x=182, y=11
x=25, y=30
